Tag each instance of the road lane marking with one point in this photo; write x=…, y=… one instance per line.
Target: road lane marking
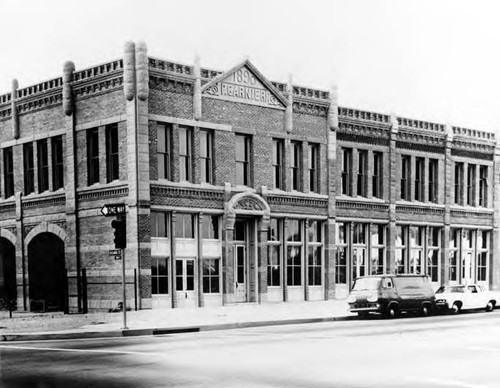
x=81, y=350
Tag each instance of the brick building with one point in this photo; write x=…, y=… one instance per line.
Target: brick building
x=238, y=189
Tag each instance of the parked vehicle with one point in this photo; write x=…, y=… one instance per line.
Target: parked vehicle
x=460, y=297
x=391, y=294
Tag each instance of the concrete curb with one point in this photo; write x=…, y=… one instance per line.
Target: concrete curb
x=162, y=331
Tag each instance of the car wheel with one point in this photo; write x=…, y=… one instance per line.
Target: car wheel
x=392, y=311
x=455, y=309
x=490, y=306
x=425, y=310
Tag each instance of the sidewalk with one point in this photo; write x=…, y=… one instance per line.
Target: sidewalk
x=30, y=326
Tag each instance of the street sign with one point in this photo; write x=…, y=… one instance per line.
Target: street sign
x=113, y=209
x=114, y=252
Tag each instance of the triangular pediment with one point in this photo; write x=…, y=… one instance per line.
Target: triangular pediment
x=245, y=84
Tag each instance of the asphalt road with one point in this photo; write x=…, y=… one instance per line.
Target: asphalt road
x=439, y=351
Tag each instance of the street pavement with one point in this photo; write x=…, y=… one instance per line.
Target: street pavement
x=443, y=351
x=29, y=326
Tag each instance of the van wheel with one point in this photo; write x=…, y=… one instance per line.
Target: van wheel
x=425, y=310
x=490, y=306
x=455, y=309
x=392, y=311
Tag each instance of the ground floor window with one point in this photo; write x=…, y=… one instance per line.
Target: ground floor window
x=294, y=266
x=211, y=276
x=341, y=253
x=273, y=266
x=159, y=275
x=314, y=266
x=184, y=274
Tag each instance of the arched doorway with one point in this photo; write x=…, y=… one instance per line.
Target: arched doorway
x=46, y=271
x=8, y=291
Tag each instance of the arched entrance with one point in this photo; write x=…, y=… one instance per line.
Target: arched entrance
x=8, y=291
x=46, y=272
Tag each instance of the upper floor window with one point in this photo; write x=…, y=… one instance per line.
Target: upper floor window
x=8, y=171
x=185, y=152
x=483, y=186
x=206, y=156
x=29, y=169
x=43, y=165
x=433, y=180
x=242, y=149
x=377, y=177
x=164, y=134
x=471, y=184
x=184, y=225
x=93, y=156
x=459, y=183
x=405, y=177
x=362, y=172
x=211, y=227
x=313, y=168
x=278, y=163
x=57, y=163
x=295, y=165
x=346, y=171
x=159, y=224
x=419, y=179
x=112, y=153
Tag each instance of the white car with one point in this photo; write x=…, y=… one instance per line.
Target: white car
x=460, y=297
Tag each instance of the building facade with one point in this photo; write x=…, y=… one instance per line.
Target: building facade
x=237, y=189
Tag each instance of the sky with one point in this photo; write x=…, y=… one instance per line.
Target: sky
x=434, y=60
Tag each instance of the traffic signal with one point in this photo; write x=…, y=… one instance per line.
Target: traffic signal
x=120, y=227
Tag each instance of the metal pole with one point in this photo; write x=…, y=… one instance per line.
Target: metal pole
x=124, y=292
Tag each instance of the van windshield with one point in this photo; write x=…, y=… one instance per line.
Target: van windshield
x=363, y=284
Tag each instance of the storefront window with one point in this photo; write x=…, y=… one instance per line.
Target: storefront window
x=211, y=276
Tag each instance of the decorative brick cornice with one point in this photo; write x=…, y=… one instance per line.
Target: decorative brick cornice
x=38, y=102
x=419, y=210
x=419, y=125
x=365, y=133
x=310, y=109
x=96, y=194
x=364, y=206
x=186, y=192
x=7, y=207
x=95, y=88
x=356, y=115
x=169, y=84
x=297, y=201
x=56, y=200
x=471, y=213
x=477, y=149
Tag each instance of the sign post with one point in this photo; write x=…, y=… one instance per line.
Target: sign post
x=119, y=210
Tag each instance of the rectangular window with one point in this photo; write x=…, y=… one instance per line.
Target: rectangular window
x=206, y=156
x=347, y=171
x=483, y=243
x=459, y=183
x=341, y=253
x=29, y=169
x=483, y=186
x=377, y=238
x=295, y=165
x=112, y=153
x=377, y=177
x=159, y=275
x=211, y=276
x=401, y=246
x=405, y=177
x=184, y=225
x=433, y=180
x=315, y=253
x=313, y=168
x=278, y=163
x=184, y=275
x=274, y=253
x=8, y=170
x=433, y=252
x=93, y=156
x=419, y=179
x=294, y=253
x=242, y=147
x=362, y=172
x=210, y=227
x=185, y=152
x=471, y=184
x=416, y=263
x=57, y=163
x=159, y=224
x=43, y=165
x=164, y=136
x=453, y=254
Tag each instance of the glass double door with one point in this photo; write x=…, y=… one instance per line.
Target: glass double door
x=184, y=282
